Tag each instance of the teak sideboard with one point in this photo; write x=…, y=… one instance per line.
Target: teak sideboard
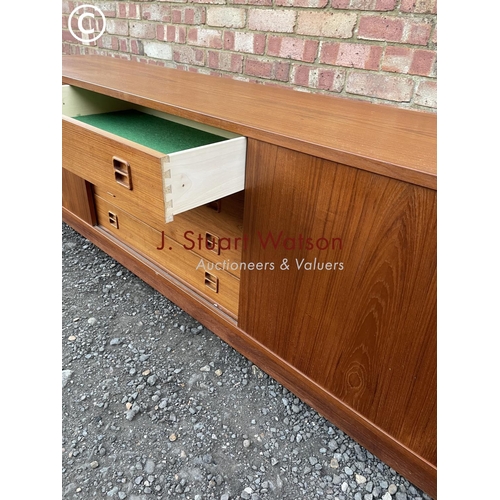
x=300, y=228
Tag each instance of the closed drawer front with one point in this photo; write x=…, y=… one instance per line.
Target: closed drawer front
x=89, y=154
x=213, y=231
x=148, y=163
x=206, y=277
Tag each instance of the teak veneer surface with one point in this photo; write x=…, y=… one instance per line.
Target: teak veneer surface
x=382, y=139
x=357, y=344
x=365, y=331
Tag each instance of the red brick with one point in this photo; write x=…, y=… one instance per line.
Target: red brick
x=189, y=55
x=326, y=23
x=228, y=39
x=412, y=61
x=261, y=69
x=423, y=63
x=143, y=31
x=227, y=17
x=68, y=7
x=171, y=33
x=68, y=37
x=188, y=15
x=388, y=87
x=330, y=79
x=277, y=21
x=300, y=75
x=252, y=43
x=397, y=59
x=315, y=4
x=136, y=47
x=117, y=27
x=124, y=47
x=418, y=32
x=205, y=37
x=426, y=94
x=375, y=5
x=154, y=12
x=108, y=42
x=108, y=8
x=395, y=29
x=383, y=28
x=282, y=71
x=352, y=55
x=209, y=1
x=261, y=3
x=128, y=10
x=318, y=78
x=225, y=61
x=419, y=6
x=292, y=48
x=158, y=50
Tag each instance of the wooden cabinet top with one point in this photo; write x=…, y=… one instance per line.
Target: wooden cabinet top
x=390, y=141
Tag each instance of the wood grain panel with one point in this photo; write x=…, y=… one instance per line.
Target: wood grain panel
x=182, y=263
x=366, y=333
x=89, y=154
x=224, y=220
x=77, y=196
x=390, y=141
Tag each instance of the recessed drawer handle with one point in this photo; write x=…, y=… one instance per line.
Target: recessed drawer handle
x=113, y=219
x=213, y=243
x=212, y=282
x=215, y=205
x=122, y=172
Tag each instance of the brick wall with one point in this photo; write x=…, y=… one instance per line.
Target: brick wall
x=383, y=51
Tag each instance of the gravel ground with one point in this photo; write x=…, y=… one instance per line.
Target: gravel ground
x=155, y=406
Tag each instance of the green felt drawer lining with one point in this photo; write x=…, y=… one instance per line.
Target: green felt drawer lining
x=150, y=131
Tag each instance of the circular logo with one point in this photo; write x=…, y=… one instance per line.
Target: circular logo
x=87, y=30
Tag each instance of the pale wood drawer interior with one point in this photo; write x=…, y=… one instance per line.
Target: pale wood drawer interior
x=132, y=151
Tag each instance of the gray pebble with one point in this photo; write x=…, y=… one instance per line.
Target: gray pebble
x=66, y=374
x=130, y=414
x=149, y=467
x=112, y=491
x=392, y=489
x=246, y=494
x=224, y=496
x=115, y=341
x=332, y=444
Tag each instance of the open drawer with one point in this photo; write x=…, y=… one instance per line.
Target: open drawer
x=154, y=164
